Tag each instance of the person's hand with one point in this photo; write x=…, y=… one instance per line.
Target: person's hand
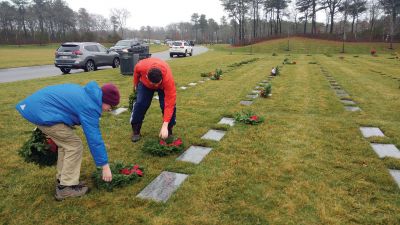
x=164, y=131
x=107, y=175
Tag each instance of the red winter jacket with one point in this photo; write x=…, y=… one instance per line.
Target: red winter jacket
x=167, y=84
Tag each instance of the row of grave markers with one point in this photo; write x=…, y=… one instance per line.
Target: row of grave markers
x=382, y=150
x=163, y=186
x=344, y=97
x=120, y=110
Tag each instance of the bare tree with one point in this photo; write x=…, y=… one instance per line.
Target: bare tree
x=237, y=10
x=121, y=15
x=391, y=8
x=195, y=20
x=333, y=6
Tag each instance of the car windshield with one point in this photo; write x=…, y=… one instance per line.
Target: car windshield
x=123, y=43
x=68, y=48
x=177, y=43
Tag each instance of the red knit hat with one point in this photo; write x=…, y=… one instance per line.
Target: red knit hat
x=110, y=94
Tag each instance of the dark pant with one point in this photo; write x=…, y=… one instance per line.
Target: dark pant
x=143, y=102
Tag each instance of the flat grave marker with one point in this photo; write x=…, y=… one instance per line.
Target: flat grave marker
x=227, y=121
x=341, y=92
x=352, y=108
x=162, y=188
x=384, y=150
x=246, y=103
x=343, y=95
x=396, y=176
x=195, y=154
x=214, y=135
x=371, y=132
x=118, y=111
x=347, y=102
x=252, y=96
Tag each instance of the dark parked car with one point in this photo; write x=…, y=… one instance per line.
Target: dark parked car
x=133, y=46
x=84, y=55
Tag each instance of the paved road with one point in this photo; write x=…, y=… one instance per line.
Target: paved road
x=27, y=73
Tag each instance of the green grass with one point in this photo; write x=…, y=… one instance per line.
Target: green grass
x=306, y=164
x=33, y=55
x=310, y=46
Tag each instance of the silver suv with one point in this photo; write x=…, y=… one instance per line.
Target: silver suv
x=84, y=55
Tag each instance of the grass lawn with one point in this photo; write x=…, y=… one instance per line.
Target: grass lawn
x=35, y=55
x=306, y=164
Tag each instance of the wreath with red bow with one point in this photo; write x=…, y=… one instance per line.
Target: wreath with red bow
x=248, y=117
x=39, y=149
x=163, y=147
x=122, y=175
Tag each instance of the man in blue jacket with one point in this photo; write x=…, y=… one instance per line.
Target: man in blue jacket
x=54, y=110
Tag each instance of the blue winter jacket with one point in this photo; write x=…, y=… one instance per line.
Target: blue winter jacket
x=72, y=105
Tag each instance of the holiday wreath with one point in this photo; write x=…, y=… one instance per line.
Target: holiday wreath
x=39, y=149
x=163, y=147
x=248, y=117
x=132, y=100
x=122, y=175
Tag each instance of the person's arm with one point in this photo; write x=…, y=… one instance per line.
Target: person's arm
x=91, y=128
x=169, y=105
x=136, y=76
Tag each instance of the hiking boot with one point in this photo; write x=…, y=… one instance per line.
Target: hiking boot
x=135, y=138
x=63, y=192
x=136, y=132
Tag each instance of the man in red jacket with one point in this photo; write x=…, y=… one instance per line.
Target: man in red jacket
x=152, y=75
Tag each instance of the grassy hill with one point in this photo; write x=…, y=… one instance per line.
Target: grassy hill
x=311, y=46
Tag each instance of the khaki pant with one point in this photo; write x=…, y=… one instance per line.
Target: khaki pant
x=70, y=150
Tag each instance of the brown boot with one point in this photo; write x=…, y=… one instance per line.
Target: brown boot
x=136, y=132
x=63, y=192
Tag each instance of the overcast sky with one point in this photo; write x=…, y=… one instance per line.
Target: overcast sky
x=153, y=12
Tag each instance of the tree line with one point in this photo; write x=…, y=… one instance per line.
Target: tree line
x=247, y=21
x=344, y=19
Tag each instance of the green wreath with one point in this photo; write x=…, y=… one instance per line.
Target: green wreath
x=248, y=117
x=122, y=175
x=39, y=150
x=163, y=148
x=132, y=100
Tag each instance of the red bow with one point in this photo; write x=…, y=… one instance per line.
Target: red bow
x=135, y=169
x=178, y=142
x=254, y=118
x=53, y=145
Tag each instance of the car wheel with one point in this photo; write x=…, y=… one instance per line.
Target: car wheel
x=171, y=55
x=89, y=66
x=185, y=54
x=65, y=70
x=115, y=63
x=191, y=53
